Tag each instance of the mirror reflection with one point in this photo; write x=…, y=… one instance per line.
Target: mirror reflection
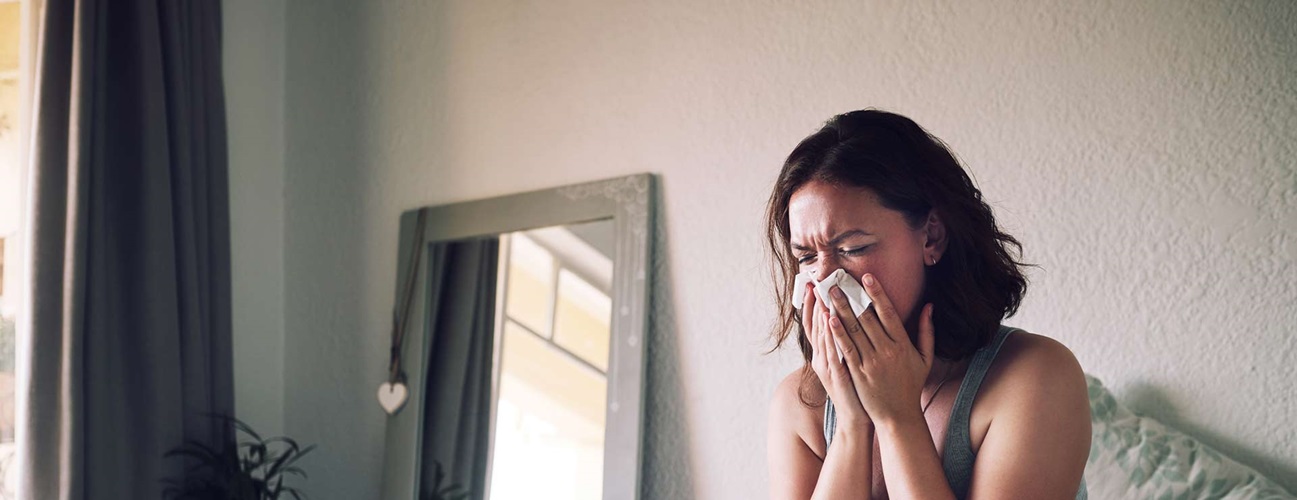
x=524, y=362
x=553, y=329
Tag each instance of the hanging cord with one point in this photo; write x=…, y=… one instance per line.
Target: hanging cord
x=401, y=316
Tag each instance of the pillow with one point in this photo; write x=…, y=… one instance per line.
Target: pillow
x=1138, y=457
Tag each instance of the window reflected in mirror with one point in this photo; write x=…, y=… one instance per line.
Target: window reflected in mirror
x=581, y=319
x=529, y=284
x=16, y=18
x=553, y=341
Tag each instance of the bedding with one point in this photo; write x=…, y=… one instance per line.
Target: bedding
x=1132, y=456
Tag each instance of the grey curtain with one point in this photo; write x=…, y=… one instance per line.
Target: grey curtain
x=460, y=329
x=130, y=318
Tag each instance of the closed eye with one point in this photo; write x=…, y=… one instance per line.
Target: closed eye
x=851, y=252
x=854, y=251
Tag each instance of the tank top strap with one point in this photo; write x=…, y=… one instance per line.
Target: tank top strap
x=977, y=368
x=957, y=459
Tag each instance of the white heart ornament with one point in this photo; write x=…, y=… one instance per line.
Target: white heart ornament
x=392, y=396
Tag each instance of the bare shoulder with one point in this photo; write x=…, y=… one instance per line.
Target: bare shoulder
x=1033, y=377
x=1031, y=422
x=794, y=445
x=789, y=415
x=1030, y=360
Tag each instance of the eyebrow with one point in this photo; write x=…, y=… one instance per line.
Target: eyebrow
x=836, y=239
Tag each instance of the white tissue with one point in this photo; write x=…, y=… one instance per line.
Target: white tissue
x=856, y=295
x=850, y=287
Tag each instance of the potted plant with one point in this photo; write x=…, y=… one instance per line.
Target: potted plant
x=250, y=470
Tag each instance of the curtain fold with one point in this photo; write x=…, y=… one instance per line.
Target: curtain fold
x=461, y=334
x=130, y=342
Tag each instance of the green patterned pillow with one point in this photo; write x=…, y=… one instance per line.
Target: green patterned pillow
x=1138, y=457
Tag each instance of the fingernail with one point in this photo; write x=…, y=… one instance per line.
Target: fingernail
x=837, y=292
x=869, y=279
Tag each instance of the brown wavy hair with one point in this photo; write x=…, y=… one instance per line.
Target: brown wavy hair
x=976, y=284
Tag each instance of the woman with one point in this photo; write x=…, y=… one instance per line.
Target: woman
x=873, y=194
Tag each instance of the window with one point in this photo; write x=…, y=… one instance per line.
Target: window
x=16, y=23
x=553, y=346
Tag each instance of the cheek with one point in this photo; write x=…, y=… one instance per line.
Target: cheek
x=901, y=285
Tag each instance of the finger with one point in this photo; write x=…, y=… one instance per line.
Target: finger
x=891, y=322
x=844, y=343
x=854, y=366
x=840, y=302
x=849, y=322
x=808, y=308
x=817, y=323
x=837, y=365
x=812, y=333
x=834, y=368
x=842, y=374
x=927, y=335
x=874, y=330
x=826, y=336
x=822, y=325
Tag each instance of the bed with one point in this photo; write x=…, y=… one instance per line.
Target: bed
x=1132, y=456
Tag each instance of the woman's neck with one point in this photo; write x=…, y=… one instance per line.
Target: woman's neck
x=943, y=370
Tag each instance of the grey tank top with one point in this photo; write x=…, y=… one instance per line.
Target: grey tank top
x=957, y=461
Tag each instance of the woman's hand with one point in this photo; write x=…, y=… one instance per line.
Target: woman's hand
x=833, y=374
x=886, y=369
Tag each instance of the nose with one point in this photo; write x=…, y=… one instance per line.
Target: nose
x=824, y=266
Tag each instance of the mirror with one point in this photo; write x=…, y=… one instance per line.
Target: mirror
x=552, y=340
x=524, y=357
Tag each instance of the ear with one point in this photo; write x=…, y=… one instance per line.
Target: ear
x=934, y=235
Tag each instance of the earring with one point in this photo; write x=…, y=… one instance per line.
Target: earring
x=934, y=261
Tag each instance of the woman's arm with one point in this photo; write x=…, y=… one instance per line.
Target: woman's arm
x=911, y=467
x=1039, y=436
x=887, y=368
x=796, y=472
x=793, y=465
x=847, y=469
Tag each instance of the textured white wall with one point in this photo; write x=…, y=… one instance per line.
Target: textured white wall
x=1142, y=151
x=254, y=45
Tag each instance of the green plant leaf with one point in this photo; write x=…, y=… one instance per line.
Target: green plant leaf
x=294, y=470
x=239, y=425
x=249, y=470
x=299, y=455
x=274, y=467
x=292, y=445
x=256, y=456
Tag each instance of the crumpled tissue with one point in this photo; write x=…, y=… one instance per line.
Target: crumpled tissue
x=856, y=294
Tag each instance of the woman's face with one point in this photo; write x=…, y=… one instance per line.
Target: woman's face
x=847, y=227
